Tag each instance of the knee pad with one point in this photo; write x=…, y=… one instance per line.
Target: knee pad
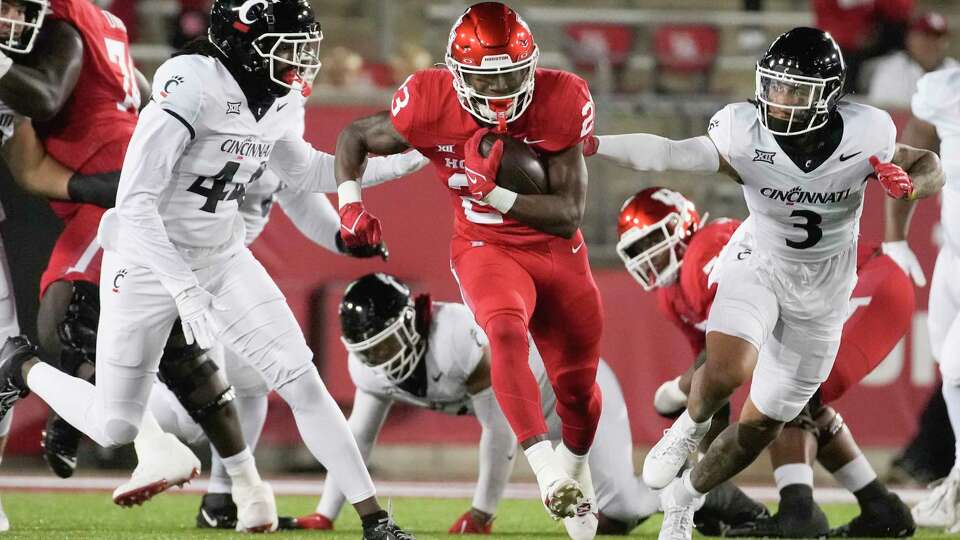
x=805, y=421
x=77, y=331
x=829, y=424
x=193, y=377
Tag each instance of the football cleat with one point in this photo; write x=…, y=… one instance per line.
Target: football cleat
x=60, y=442
x=812, y=524
x=469, y=524
x=217, y=511
x=677, y=514
x=583, y=524
x=726, y=507
x=886, y=517
x=562, y=497
x=939, y=508
x=314, y=521
x=668, y=456
x=256, y=508
x=165, y=463
x=386, y=529
x=4, y=521
x=16, y=350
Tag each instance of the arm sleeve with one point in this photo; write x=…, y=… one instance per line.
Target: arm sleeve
x=384, y=169
x=720, y=132
x=313, y=215
x=158, y=141
x=646, y=152
x=498, y=447
x=302, y=167
x=366, y=420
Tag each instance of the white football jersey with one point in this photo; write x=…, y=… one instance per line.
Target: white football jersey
x=255, y=208
x=7, y=123
x=937, y=102
x=800, y=216
x=456, y=346
x=229, y=148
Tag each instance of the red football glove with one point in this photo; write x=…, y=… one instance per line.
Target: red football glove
x=895, y=181
x=466, y=524
x=358, y=227
x=481, y=171
x=590, y=145
x=315, y=521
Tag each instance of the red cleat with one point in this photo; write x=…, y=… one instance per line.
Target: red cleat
x=315, y=521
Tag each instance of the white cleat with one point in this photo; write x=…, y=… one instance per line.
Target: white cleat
x=667, y=457
x=164, y=463
x=4, y=522
x=256, y=508
x=939, y=509
x=562, y=497
x=678, y=509
x=583, y=524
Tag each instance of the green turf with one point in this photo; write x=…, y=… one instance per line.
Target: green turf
x=93, y=515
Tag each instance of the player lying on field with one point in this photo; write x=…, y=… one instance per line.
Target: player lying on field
x=667, y=248
x=804, y=157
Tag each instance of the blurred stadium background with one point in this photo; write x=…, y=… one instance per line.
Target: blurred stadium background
x=661, y=66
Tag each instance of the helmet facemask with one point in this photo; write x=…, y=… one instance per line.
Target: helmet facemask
x=790, y=104
x=396, y=350
x=498, y=89
x=20, y=22
x=653, y=254
x=292, y=60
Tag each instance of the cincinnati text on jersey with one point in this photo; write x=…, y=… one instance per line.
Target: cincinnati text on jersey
x=247, y=148
x=797, y=195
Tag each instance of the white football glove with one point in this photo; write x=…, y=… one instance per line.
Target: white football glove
x=195, y=306
x=381, y=169
x=901, y=254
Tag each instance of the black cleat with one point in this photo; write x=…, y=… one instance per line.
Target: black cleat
x=812, y=524
x=16, y=350
x=386, y=529
x=60, y=442
x=217, y=511
x=727, y=507
x=886, y=517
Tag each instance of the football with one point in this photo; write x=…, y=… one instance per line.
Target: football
x=520, y=168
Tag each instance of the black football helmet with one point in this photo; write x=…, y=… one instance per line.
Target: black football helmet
x=799, y=81
x=20, y=22
x=378, y=323
x=274, y=41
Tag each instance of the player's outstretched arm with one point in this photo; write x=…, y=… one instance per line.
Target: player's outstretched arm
x=41, y=83
x=39, y=173
x=924, y=169
x=373, y=134
x=366, y=419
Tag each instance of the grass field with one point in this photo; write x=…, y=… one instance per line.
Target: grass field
x=92, y=515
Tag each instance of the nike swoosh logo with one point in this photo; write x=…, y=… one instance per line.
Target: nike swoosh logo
x=353, y=229
x=280, y=106
x=437, y=378
x=206, y=517
x=577, y=249
x=528, y=141
x=72, y=462
x=844, y=158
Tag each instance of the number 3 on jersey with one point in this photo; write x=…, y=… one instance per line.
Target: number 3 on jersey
x=812, y=226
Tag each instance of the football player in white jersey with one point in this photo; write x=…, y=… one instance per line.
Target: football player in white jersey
x=174, y=246
x=803, y=157
x=936, y=126
x=433, y=355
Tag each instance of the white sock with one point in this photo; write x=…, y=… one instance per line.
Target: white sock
x=326, y=434
x=951, y=395
x=542, y=458
x=793, y=473
x=70, y=397
x=687, y=493
x=572, y=463
x=219, y=478
x=855, y=475
x=685, y=422
x=242, y=468
x=252, y=411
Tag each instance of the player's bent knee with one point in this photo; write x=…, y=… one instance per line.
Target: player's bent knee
x=194, y=378
x=119, y=431
x=507, y=332
x=829, y=424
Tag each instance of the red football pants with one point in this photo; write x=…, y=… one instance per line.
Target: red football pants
x=884, y=302
x=545, y=289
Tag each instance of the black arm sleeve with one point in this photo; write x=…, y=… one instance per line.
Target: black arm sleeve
x=99, y=189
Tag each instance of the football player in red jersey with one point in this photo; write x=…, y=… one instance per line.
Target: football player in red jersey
x=520, y=260
x=666, y=247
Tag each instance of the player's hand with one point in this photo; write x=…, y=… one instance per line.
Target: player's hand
x=362, y=252
x=472, y=522
x=895, y=181
x=481, y=171
x=196, y=307
x=358, y=227
x=590, y=145
x=901, y=254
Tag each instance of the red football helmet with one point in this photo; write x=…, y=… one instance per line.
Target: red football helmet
x=493, y=59
x=654, y=227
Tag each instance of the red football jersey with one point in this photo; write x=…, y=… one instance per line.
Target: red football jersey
x=91, y=131
x=687, y=302
x=427, y=112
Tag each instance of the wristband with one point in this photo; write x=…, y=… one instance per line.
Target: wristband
x=348, y=192
x=501, y=198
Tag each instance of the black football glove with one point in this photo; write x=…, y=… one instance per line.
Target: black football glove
x=362, y=252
